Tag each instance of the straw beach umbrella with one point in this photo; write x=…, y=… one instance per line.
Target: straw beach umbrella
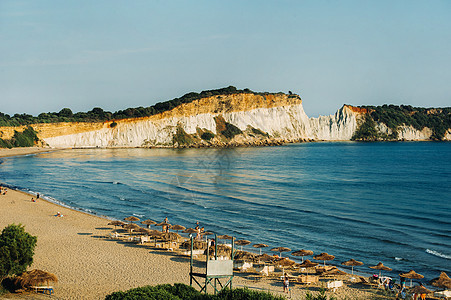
x=352, y=263
x=380, y=266
x=242, y=243
x=324, y=256
x=148, y=223
x=131, y=219
x=308, y=264
x=36, y=277
x=164, y=226
x=116, y=223
x=189, y=230
x=411, y=275
x=284, y=262
x=265, y=257
x=260, y=246
x=302, y=253
x=419, y=289
x=130, y=227
x=443, y=281
x=280, y=250
x=177, y=228
x=225, y=237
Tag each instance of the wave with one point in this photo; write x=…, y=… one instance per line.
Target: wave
x=438, y=254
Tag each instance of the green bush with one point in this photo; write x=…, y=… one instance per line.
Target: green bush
x=246, y=294
x=207, y=135
x=16, y=250
x=230, y=131
x=181, y=137
x=180, y=291
x=367, y=131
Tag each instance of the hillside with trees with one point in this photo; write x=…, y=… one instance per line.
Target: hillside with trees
x=393, y=116
x=97, y=114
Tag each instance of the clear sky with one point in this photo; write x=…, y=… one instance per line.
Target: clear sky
x=118, y=54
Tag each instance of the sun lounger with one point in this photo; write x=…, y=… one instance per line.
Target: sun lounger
x=308, y=279
x=43, y=289
x=264, y=270
x=333, y=285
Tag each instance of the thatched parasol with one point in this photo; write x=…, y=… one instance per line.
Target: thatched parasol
x=225, y=237
x=334, y=271
x=177, y=228
x=284, y=262
x=189, y=230
x=244, y=255
x=164, y=226
x=148, y=223
x=280, y=250
x=443, y=281
x=265, y=257
x=352, y=263
x=130, y=227
x=242, y=243
x=131, y=219
x=324, y=256
x=302, y=253
x=308, y=264
x=171, y=236
x=380, y=266
x=260, y=246
x=116, y=223
x=411, y=275
x=36, y=277
x=419, y=289
x=142, y=230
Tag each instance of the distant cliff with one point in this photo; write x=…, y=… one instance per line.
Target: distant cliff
x=237, y=118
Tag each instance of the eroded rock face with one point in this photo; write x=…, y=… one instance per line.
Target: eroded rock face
x=269, y=119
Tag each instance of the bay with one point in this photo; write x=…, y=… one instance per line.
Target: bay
x=374, y=202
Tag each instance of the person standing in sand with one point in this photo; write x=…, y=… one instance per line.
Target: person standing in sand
x=286, y=283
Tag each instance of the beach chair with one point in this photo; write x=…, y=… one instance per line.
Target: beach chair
x=334, y=285
x=308, y=279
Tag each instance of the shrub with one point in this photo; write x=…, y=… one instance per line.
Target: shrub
x=207, y=135
x=230, y=131
x=181, y=137
x=246, y=294
x=180, y=291
x=16, y=250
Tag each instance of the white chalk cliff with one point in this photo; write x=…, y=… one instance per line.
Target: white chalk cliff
x=263, y=119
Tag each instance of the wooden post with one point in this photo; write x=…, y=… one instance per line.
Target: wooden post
x=206, y=268
x=191, y=264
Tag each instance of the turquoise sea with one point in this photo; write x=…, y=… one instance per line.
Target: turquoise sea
x=388, y=202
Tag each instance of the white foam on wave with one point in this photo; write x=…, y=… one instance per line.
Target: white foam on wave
x=398, y=258
x=436, y=253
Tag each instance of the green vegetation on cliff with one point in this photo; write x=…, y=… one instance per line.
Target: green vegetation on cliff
x=393, y=116
x=26, y=138
x=97, y=114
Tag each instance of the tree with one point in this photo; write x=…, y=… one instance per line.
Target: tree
x=16, y=250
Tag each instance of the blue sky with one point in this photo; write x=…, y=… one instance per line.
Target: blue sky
x=119, y=54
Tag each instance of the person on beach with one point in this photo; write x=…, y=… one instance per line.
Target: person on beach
x=286, y=283
x=165, y=228
x=403, y=282
x=33, y=200
x=198, y=232
x=37, y=196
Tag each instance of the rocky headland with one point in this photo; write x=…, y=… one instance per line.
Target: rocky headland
x=229, y=120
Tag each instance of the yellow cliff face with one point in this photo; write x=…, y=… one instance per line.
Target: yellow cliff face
x=210, y=105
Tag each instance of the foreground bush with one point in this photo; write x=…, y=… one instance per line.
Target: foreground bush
x=16, y=250
x=181, y=291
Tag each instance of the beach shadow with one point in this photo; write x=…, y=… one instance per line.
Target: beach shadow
x=84, y=233
x=104, y=228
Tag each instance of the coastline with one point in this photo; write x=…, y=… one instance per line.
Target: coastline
x=90, y=266
x=18, y=151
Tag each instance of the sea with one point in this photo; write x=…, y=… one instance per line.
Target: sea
x=384, y=202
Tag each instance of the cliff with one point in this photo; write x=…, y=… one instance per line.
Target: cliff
x=218, y=121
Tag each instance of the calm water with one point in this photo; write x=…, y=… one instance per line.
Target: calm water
x=388, y=202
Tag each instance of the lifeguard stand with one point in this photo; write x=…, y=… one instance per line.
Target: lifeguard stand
x=215, y=270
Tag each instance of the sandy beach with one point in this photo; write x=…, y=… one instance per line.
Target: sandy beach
x=90, y=266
